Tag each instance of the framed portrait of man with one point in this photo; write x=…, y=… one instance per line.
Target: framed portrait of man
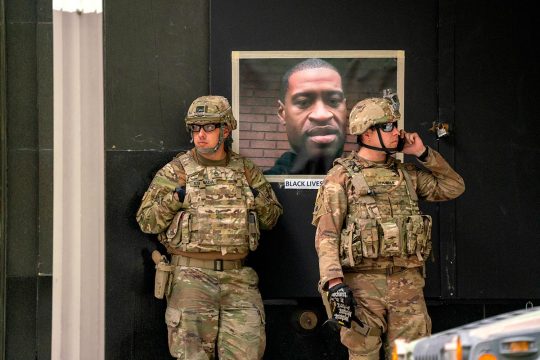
x=292, y=106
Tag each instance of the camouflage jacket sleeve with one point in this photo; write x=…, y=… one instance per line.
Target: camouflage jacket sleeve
x=158, y=205
x=329, y=215
x=440, y=183
x=267, y=205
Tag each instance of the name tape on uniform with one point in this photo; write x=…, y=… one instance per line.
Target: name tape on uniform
x=303, y=183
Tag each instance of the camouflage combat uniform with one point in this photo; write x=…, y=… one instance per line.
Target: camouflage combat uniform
x=371, y=233
x=219, y=306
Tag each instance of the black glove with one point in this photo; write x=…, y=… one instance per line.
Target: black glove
x=342, y=302
x=181, y=191
x=254, y=191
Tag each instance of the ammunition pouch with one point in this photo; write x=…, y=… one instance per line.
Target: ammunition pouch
x=178, y=233
x=359, y=239
x=418, y=235
x=163, y=280
x=351, y=246
x=253, y=229
x=371, y=238
x=389, y=232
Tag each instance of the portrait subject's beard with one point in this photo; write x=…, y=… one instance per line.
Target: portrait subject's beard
x=317, y=160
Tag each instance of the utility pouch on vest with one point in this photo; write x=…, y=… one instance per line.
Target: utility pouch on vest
x=163, y=279
x=418, y=235
x=254, y=233
x=390, y=238
x=369, y=238
x=178, y=232
x=350, y=250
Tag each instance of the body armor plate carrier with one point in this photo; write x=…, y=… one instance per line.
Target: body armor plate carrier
x=383, y=218
x=217, y=208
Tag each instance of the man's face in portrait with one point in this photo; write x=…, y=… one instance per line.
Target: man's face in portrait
x=314, y=112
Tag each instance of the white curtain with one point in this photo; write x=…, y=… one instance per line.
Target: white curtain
x=78, y=218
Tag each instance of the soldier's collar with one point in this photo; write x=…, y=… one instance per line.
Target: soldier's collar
x=389, y=162
x=207, y=162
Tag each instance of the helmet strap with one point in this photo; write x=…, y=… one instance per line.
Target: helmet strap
x=215, y=148
x=389, y=151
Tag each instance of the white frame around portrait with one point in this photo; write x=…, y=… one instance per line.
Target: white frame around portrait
x=238, y=56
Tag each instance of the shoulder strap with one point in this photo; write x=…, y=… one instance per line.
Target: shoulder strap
x=246, y=174
x=189, y=164
x=408, y=180
x=354, y=171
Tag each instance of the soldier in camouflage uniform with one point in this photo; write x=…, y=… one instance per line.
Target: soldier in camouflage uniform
x=372, y=240
x=207, y=205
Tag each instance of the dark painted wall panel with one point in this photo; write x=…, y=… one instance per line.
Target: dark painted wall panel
x=29, y=177
x=156, y=63
x=21, y=322
x=497, y=150
x=323, y=25
x=146, y=98
x=21, y=84
x=22, y=213
x=135, y=326
x=44, y=317
x=343, y=25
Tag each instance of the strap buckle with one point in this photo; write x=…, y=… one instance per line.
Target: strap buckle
x=218, y=265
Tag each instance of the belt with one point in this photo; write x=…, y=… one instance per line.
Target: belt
x=388, y=270
x=216, y=264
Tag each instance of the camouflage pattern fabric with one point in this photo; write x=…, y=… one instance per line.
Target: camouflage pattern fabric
x=383, y=218
x=209, y=308
x=334, y=203
x=159, y=206
x=213, y=313
x=218, y=199
x=394, y=303
x=369, y=112
x=337, y=200
x=210, y=110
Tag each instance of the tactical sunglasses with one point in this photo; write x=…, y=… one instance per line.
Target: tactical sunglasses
x=387, y=127
x=207, y=127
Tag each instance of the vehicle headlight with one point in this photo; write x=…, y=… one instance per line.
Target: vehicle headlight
x=518, y=346
x=399, y=351
x=487, y=356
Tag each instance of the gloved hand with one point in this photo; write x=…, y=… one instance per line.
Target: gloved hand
x=254, y=191
x=342, y=302
x=181, y=192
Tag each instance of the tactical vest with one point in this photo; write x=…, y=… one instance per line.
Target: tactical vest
x=217, y=208
x=383, y=218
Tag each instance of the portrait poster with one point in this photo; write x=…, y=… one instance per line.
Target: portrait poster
x=259, y=87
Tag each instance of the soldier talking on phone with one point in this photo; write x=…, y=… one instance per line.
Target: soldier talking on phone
x=372, y=239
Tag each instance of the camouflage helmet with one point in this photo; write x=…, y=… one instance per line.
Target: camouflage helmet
x=211, y=109
x=372, y=111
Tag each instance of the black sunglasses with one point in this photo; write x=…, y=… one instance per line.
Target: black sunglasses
x=387, y=127
x=207, y=127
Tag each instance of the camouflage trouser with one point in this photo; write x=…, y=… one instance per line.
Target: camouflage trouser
x=208, y=309
x=395, y=303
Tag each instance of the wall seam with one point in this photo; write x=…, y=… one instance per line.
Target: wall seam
x=3, y=180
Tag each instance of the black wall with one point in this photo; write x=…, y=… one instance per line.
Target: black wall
x=156, y=62
x=498, y=227
x=467, y=64
x=28, y=165
x=324, y=25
